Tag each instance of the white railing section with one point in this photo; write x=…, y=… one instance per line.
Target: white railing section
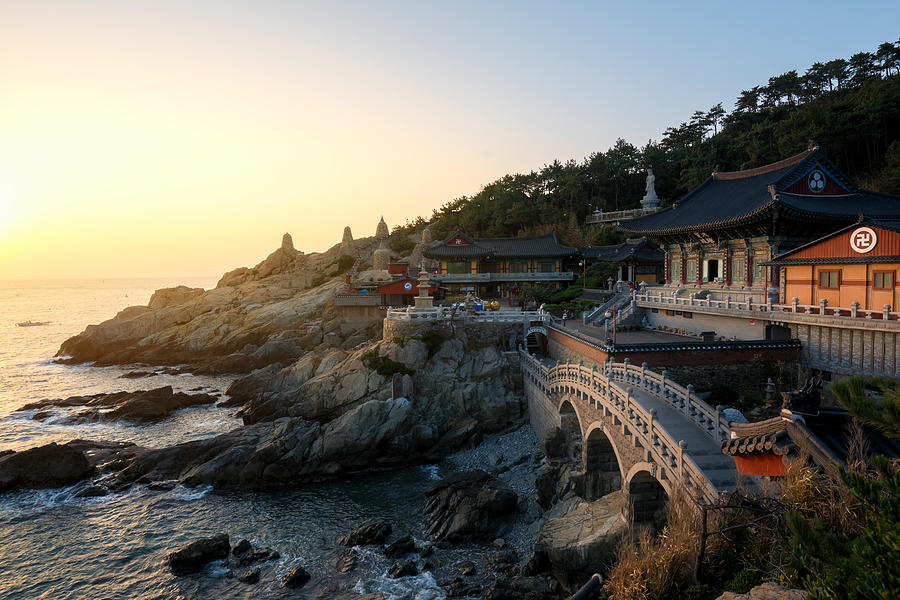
x=624, y=308
x=604, y=390
x=447, y=314
x=820, y=309
x=486, y=277
x=598, y=216
x=588, y=317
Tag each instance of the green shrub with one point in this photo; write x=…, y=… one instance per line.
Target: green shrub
x=344, y=263
x=401, y=244
x=432, y=340
x=383, y=365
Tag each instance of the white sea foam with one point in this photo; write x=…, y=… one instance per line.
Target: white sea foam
x=180, y=492
x=433, y=472
x=415, y=587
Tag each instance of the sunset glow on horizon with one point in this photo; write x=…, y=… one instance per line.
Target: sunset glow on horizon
x=159, y=139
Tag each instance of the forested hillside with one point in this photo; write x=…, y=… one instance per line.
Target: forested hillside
x=851, y=108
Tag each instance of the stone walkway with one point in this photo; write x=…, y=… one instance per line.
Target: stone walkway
x=706, y=452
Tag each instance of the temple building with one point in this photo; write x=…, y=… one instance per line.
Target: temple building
x=724, y=234
x=853, y=267
x=498, y=267
x=638, y=260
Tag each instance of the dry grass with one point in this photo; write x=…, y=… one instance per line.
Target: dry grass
x=821, y=493
x=656, y=566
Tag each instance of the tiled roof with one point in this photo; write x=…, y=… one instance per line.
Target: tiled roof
x=785, y=258
x=636, y=249
x=518, y=247
x=825, y=437
x=733, y=198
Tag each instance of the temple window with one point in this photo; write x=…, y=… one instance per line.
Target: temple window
x=518, y=266
x=739, y=268
x=883, y=280
x=546, y=266
x=457, y=267
x=830, y=280
x=691, y=271
x=675, y=270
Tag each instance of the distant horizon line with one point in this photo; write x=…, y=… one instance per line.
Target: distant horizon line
x=22, y=279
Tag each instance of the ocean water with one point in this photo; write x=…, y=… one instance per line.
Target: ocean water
x=53, y=545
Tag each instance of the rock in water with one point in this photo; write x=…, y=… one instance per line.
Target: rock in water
x=467, y=506
x=296, y=577
x=250, y=575
x=400, y=547
x=404, y=568
x=369, y=532
x=198, y=553
x=43, y=467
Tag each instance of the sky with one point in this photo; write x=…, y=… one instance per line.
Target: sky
x=160, y=139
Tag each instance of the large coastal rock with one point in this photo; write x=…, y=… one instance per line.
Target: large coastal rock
x=580, y=538
x=287, y=451
x=468, y=506
x=464, y=376
x=252, y=318
x=767, y=591
x=43, y=467
x=142, y=406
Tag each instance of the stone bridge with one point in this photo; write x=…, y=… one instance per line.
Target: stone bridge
x=639, y=431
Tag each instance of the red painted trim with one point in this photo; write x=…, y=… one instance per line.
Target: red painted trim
x=760, y=464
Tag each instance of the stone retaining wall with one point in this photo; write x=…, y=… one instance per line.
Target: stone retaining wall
x=505, y=336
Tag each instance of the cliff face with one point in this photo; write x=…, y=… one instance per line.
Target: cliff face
x=253, y=317
x=333, y=413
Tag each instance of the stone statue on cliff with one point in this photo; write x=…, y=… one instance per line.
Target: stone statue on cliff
x=650, y=200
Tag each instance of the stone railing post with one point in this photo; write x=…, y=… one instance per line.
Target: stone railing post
x=823, y=304
x=749, y=302
x=644, y=373
x=886, y=314
x=665, y=385
x=682, y=446
x=719, y=409
x=795, y=304
x=687, y=400
x=652, y=421
x=728, y=301
x=854, y=309
x=691, y=299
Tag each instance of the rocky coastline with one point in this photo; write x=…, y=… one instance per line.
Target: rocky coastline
x=317, y=404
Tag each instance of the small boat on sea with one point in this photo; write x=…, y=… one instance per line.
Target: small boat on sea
x=32, y=323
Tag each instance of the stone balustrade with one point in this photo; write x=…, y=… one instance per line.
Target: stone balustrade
x=484, y=316
x=790, y=312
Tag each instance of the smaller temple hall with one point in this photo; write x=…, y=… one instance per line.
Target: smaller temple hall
x=497, y=267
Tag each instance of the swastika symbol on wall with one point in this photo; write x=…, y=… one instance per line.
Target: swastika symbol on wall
x=862, y=240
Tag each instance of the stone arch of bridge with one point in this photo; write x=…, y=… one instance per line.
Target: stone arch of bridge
x=570, y=424
x=602, y=462
x=648, y=496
